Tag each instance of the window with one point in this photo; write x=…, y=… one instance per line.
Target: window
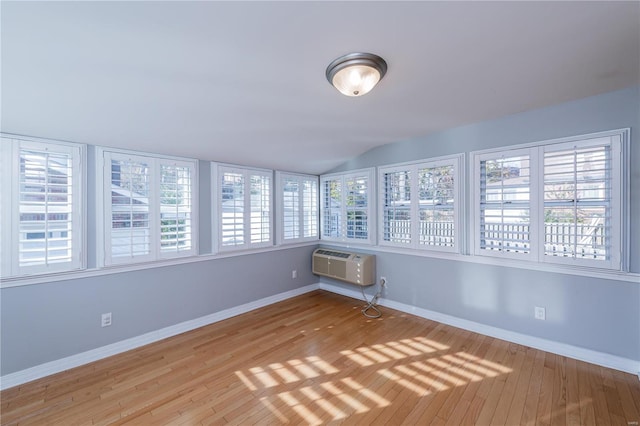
x=419, y=204
x=244, y=207
x=41, y=206
x=148, y=207
x=557, y=202
x=505, y=203
x=346, y=210
x=298, y=207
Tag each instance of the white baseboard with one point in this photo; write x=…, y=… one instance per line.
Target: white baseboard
x=575, y=352
x=49, y=368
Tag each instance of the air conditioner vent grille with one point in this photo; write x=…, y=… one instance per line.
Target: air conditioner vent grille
x=333, y=253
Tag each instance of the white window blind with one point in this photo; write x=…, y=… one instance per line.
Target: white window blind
x=298, y=207
x=557, y=201
x=148, y=206
x=244, y=207
x=419, y=204
x=505, y=209
x=345, y=209
x=41, y=207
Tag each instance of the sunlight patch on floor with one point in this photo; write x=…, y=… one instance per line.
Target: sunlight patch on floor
x=413, y=364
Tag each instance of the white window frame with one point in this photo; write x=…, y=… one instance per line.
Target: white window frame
x=303, y=210
x=217, y=172
x=457, y=162
x=10, y=215
x=103, y=201
x=368, y=174
x=618, y=256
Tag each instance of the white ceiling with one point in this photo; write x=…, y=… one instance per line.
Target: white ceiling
x=243, y=82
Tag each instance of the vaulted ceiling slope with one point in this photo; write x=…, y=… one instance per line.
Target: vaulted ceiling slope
x=243, y=82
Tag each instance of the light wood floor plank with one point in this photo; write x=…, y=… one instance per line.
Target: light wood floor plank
x=315, y=359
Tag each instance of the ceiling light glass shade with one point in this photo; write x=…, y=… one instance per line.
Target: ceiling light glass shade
x=356, y=74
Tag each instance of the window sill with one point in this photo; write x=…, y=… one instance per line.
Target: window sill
x=117, y=269
x=509, y=263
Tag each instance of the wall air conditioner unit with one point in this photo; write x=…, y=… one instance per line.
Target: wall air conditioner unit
x=354, y=268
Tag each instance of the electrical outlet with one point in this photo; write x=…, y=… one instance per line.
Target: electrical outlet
x=540, y=313
x=294, y=274
x=383, y=281
x=106, y=319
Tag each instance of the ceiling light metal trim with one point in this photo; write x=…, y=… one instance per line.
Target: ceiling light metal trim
x=369, y=60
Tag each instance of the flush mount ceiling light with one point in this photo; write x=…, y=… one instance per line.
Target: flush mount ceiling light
x=355, y=74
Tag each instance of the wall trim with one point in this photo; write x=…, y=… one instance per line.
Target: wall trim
x=9, y=282
x=594, y=357
x=556, y=268
x=59, y=365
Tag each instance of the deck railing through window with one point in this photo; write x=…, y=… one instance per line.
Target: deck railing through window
x=561, y=239
x=586, y=240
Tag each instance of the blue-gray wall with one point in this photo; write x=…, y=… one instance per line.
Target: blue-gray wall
x=46, y=322
x=597, y=314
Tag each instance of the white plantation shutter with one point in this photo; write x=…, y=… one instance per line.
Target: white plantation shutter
x=130, y=218
x=332, y=208
x=580, y=202
x=244, y=208
x=148, y=207
x=232, y=220
x=419, y=204
x=437, y=206
x=298, y=206
x=290, y=208
x=260, y=208
x=176, y=208
x=505, y=204
x=310, y=208
x=46, y=207
x=42, y=224
x=396, y=207
x=555, y=202
x=345, y=209
x=357, y=203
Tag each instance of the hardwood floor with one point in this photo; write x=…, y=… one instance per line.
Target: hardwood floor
x=315, y=359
